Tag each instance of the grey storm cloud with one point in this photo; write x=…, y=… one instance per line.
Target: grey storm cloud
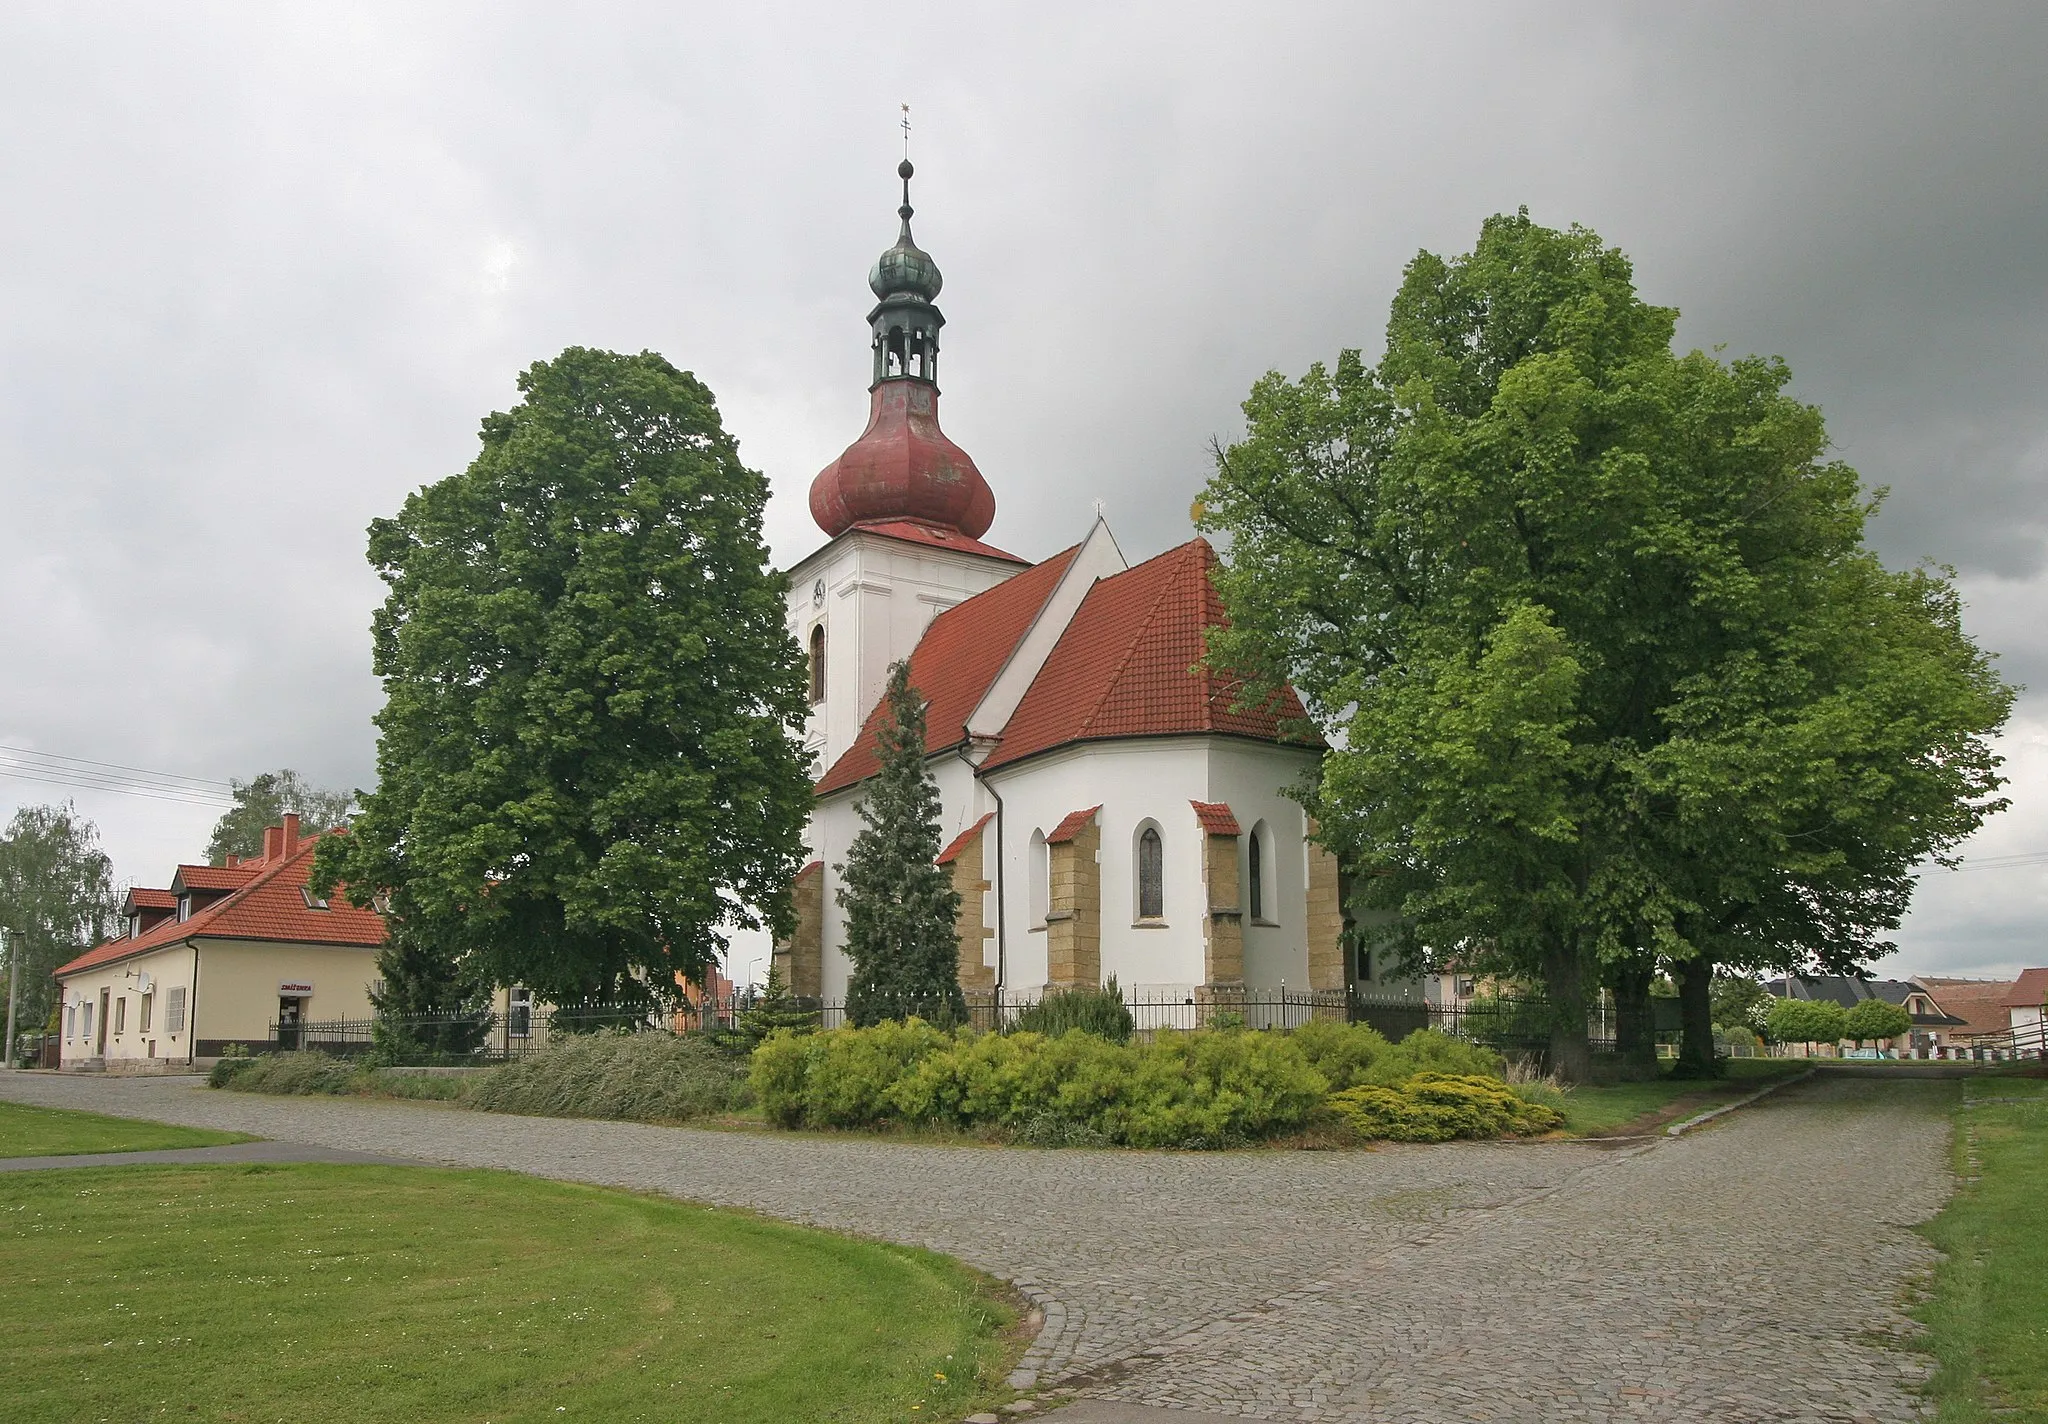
x=263, y=269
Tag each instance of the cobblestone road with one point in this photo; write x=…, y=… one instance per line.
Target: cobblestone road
x=1745, y=1272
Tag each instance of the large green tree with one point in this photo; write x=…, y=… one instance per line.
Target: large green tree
x=1610, y=675
x=263, y=801
x=901, y=908
x=588, y=765
x=57, y=900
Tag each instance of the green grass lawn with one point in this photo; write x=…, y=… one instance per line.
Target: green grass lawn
x=55, y=1132
x=313, y=1293
x=1605, y=1107
x=1988, y=1316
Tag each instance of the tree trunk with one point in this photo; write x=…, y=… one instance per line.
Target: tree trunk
x=1564, y=986
x=1635, y=1023
x=1696, y=1056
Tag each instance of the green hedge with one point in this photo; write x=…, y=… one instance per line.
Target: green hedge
x=309, y=1074
x=1204, y=1089
x=1351, y=1054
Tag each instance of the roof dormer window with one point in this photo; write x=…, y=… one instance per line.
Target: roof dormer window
x=184, y=908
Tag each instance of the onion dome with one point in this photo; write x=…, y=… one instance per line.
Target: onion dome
x=905, y=268
x=903, y=466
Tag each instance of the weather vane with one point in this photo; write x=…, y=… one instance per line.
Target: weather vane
x=906, y=130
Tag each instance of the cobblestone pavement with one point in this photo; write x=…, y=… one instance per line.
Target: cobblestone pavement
x=1745, y=1272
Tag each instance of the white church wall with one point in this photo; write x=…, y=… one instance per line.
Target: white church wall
x=1133, y=781
x=874, y=596
x=1252, y=779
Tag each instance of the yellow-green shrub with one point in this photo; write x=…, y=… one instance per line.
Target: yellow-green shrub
x=1181, y=1090
x=1437, y=1107
x=1341, y=1052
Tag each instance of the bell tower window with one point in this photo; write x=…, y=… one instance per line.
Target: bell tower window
x=818, y=663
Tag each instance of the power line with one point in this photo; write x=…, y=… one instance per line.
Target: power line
x=86, y=774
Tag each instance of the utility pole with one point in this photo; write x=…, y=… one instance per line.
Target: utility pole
x=7, y=945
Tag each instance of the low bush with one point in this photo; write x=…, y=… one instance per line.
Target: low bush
x=1342, y=1052
x=1101, y=1012
x=1437, y=1107
x=317, y=1073
x=641, y=1077
x=1200, y=1089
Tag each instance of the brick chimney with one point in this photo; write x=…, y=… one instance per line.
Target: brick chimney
x=273, y=843
x=291, y=834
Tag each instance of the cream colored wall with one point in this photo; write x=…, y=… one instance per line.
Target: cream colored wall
x=238, y=982
x=167, y=968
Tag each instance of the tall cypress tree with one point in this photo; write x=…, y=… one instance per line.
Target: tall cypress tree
x=900, y=907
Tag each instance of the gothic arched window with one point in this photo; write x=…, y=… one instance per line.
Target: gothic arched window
x=1151, y=875
x=818, y=663
x=1256, y=880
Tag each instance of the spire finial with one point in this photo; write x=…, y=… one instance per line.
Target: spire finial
x=904, y=171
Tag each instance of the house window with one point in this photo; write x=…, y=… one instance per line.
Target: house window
x=519, y=1013
x=1151, y=874
x=313, y=902
x=174, y=1010
x=134, y=926
x=71, y=1020
x=818, y=663
x=86, y=1019
x=184, y=908
x=1364, y=972
x=142, y=1020
x=120, y=1016
x=1040, y=876
x=1255, y=850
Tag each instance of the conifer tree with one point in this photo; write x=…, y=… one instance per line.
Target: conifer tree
x=900, y=906
x=777, y=1008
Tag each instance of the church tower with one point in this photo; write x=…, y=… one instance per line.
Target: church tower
x=903, y=507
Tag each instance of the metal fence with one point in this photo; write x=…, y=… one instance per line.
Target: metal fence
x=1519, y=1027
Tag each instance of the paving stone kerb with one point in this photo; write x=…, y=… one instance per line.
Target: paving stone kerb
x=1745, y=1271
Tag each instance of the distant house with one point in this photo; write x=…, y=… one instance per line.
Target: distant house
x=2026, y=1003
x=215, y=960
x=1930, y=1020
x=1979, y=1003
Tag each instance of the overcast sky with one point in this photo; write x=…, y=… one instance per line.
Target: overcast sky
x=264, y=268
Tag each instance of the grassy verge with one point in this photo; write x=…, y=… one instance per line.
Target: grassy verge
x=1604, y=1108
x=56, y=1132
x=404, y=1294
x=318, y=1074
x=1987, y=1317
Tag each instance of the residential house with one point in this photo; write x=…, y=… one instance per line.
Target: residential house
x=215, y=960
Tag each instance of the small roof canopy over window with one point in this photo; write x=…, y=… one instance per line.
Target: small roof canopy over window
x=1151, y=875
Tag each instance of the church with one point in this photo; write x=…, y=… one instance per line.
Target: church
x=1108, y=810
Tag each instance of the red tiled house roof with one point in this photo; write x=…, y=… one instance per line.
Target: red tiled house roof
x=1126, y=666
x=960, y=654
x=142, y=899
x=2029, y=991
x=1978, y=1003
x=1217, y=819
x=268, y=902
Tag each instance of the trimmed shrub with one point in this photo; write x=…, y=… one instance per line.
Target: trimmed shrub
x=1437, y=1107
x=1097, y=1011
x=639, y=1077
x=1807, y=1021
x=1182, y=1090
x=1342, y=1052
x=1428, y=1051
x=1874, y=1018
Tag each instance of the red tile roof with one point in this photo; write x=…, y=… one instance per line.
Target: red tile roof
x=1979, y=1003
x=1127, y=666
x=916, y=532
x=141, y=899
x=1071, y=826
x=269, y=904
x=959, y=842
x=2029, y=991
x=215, y=877
x=1216, y=818
x=959, y=656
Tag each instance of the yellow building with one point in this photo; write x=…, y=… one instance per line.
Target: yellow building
x=217, y=959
